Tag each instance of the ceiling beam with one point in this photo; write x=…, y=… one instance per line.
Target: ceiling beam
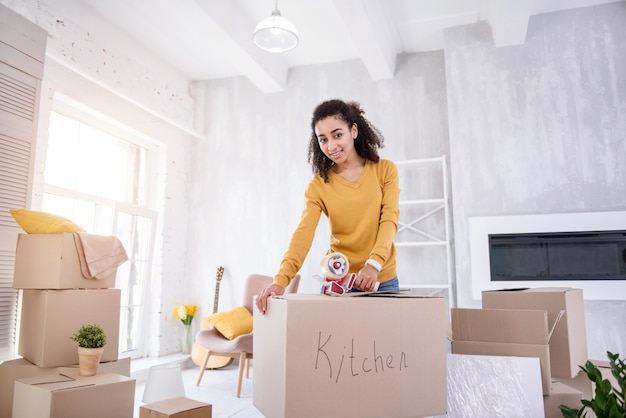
x=509, y=21
x=267, y=71
x=375, y=38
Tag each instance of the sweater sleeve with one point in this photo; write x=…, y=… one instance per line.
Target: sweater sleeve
x=301, y=239
x=388, y=223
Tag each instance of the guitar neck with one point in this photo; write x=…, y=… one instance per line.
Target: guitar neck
x=217, y=296
x=218, y=280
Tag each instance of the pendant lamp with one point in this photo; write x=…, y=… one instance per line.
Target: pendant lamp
x=275, y=33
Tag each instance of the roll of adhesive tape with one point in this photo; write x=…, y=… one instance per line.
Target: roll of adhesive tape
x=335, y=265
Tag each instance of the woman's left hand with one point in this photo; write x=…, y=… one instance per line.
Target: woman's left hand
x=366, y=278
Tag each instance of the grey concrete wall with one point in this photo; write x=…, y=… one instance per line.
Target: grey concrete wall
x=540, y=128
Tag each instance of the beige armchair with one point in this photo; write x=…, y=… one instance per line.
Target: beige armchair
x=241, y=346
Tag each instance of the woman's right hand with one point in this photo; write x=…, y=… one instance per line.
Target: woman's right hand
x=271, y=290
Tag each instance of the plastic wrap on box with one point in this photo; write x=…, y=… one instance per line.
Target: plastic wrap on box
x=493, y=386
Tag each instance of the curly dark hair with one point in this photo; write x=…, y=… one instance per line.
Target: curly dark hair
x=367, y=143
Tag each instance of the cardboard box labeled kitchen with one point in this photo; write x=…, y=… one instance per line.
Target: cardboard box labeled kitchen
x=104, y=395
x=366, y=356
x=504, y=332
x=50, y=317
x=568, y=345
x=50, y=261
x=12, y=370
x=176, y=408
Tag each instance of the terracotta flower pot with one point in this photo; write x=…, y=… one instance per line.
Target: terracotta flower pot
x=88, y=360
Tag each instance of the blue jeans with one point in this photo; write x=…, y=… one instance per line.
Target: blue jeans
x=392, y=284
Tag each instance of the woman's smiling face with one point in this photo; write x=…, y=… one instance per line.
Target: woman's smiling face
x=336, y=138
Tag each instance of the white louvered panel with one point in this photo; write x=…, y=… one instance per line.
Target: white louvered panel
x=18, y=101
x=22, y=52
x=14, y=172
x=8, y=298
x=16, y=97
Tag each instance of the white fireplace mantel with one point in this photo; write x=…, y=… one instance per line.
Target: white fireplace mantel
x=481, y=227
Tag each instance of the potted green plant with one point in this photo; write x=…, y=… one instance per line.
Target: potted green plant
x=91, y=340
x=608, y=399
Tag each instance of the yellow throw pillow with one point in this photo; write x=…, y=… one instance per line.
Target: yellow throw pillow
x=34, y=222
x=233, y=323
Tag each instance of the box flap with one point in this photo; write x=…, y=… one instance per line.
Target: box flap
x=559, y=316
x=551, y=289
x=175, y=405
x=500, y=325
x=56, y=382
x=389, y=294
x=532, y=290
x=403, y=293
x=42, y=380
x=512, y=289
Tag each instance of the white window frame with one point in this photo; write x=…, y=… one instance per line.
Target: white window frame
x=70, y=108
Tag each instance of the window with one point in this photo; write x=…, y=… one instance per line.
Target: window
x=101, y=180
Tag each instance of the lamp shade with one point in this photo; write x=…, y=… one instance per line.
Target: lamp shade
x=275, y=34
x=164, y=382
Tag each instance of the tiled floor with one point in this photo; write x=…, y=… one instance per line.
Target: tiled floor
x=217, y=387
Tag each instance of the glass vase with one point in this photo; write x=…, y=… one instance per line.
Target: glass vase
x=187, y=341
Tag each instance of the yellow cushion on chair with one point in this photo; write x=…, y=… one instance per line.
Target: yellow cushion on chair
x=232, y=323
x=34, y=222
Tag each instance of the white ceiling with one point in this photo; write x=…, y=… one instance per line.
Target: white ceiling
x=207, y=39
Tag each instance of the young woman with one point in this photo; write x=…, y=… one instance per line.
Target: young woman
x=356, y=190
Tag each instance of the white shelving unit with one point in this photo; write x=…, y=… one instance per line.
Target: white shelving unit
x=423, y=240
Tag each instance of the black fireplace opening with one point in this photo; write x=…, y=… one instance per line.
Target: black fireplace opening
x=589, y=255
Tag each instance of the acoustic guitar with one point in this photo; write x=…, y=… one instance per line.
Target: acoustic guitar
x=197, y=351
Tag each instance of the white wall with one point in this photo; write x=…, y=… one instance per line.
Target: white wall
x=88, y=62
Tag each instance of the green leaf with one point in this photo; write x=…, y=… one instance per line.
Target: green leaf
x=608, y=400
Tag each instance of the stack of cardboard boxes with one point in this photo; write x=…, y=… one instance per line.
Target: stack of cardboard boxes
x=57, y=300
x=548, y=323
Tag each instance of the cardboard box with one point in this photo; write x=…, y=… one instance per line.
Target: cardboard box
x=366, y=356
x=568, y=346
x=50, y=317
x=561, y=395
x=15, y=369
x=50, y=261
x=582, y=383
x=176, y=408
x=104, y=395
x=504, y=332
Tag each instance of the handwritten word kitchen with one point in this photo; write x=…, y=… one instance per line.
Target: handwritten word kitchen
x=354, y=359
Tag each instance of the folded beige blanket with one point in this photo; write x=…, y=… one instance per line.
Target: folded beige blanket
x=99, y=255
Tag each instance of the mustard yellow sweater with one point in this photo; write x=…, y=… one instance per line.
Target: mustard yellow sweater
x=363, y=220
